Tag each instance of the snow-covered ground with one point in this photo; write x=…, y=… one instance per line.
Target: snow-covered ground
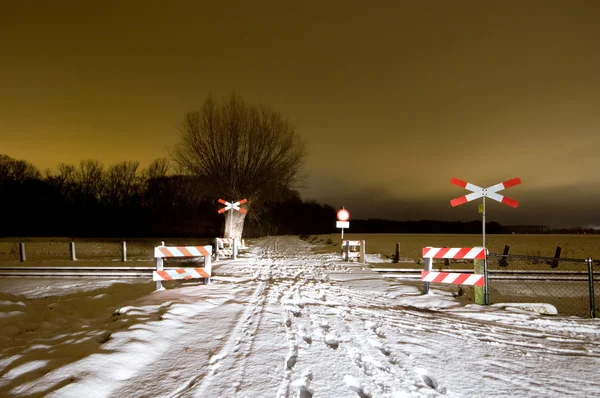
x=285, y=321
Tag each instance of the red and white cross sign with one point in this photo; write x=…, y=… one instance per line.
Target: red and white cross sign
x=234, y=206
x=490, y=192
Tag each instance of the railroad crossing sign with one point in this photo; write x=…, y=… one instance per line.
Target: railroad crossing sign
x=231, y=207
x=490, y=192
x=234, y=206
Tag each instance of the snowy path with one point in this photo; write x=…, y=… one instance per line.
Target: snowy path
x=288, y=322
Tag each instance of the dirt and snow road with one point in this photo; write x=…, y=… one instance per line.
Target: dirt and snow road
x=286, y=321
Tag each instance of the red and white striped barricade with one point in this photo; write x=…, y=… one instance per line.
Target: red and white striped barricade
x=165, y=252
x=457, y=278
x=227, y=247
x=353, y=249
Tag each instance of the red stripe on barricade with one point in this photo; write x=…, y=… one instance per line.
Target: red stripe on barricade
x=440, y=277
x=165, y=251
x=462, y=252
x=442, y=252
x=185, y=251
x=461, y=278
x=164, y=275
x=480, y=281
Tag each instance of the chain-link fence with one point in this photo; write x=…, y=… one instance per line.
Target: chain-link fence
x=562, y=282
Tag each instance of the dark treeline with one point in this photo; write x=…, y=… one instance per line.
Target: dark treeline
x=89, y=200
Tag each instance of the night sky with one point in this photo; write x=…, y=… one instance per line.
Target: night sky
x=393, y=98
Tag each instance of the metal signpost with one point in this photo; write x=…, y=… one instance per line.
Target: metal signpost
x=343, y=216
x=231, y=207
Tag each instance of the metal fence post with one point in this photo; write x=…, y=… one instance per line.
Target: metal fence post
x=72, y=250
x=123, y=251
x=363, y=251
x=590, y=263
x=504, y=259
x=397, y=256
x=427, y=262
x=22, y=256
x=554, y=263
x=346, y=251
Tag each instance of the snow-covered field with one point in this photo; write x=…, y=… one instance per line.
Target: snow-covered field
x=285, y=321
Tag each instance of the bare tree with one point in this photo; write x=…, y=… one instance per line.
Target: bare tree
x=90, y=177
x=157, y=169
x=122, y=182
x=17, y=170
x=239, y=150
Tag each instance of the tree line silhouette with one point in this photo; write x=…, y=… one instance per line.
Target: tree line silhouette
x=122, y=200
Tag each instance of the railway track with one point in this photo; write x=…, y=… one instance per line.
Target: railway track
x=558, y=276
x=400, y=273
x=74, y=272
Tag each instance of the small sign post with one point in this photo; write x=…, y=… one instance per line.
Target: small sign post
x=343, y=216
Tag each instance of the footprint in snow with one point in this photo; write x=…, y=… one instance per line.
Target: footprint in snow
x=303, y=385
x=355, y=386
x=332, y=341
x=305, y=336
x=427, y=379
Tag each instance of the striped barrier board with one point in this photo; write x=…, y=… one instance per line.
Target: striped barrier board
x=182, y=251
x=164, y=252
x=230, y=251
x=454, y=278
x=182, y=273
x=353, y=251
x=447, y=252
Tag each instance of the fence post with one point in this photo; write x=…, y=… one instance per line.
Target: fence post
x=397, y=256
x=216, y=249
x=159, y=267
x=123, y=251
x=427, y=261
x=72, y=250
x=504, y=260
x=22, y=256
x=554, y=263
x=446, y=260
x=478, y=268
x=346, y=251
x=363, y=251
x=233, y=249
x=590, y=263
